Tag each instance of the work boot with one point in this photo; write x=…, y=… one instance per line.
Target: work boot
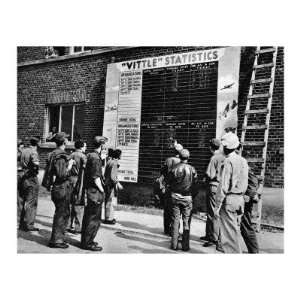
x=110, y=222
x=220, y=248
x=209, y=243
x=92, y=247
x=58, y=245
x=26, y=229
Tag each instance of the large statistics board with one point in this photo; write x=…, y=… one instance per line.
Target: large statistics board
x=190, y=97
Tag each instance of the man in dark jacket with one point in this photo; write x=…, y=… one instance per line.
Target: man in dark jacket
x=94, y=185
x=57, y=176
x=29, y=161
x=181, y=181
x=167, y=201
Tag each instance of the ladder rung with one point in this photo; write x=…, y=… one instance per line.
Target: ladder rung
x=265, y=80
x=267, y=50
x=253, y=143
x=266, y=95
x=263, y=66
x=257, y=111
x=255, y=159
x=255, y=127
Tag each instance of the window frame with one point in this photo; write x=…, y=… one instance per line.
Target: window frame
x=61, y=105
x=72, y=50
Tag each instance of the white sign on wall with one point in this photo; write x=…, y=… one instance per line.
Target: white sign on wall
x=123, y=99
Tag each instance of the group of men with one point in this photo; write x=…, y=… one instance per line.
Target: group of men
x=79, y=185
x=231, y=194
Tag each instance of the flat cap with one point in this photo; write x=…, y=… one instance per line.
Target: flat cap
x=215, y=143
x=100, y=139
x=60, y=137
x=230, y=140
x=184, y=153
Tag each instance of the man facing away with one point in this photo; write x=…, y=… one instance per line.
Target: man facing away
x=57, y=175
x=77, y=175
x=95, y=196
x=212, y=230
x=165, y=172
x=230, y=193
x=112, y=186
x=181, y=181
x=29, y=161
x=251, y=198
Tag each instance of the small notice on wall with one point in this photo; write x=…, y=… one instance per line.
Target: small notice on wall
x=127, y=121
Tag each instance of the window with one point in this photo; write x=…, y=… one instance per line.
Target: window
x=68, y=118
x=79, y=49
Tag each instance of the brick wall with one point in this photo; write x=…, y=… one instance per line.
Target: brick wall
x=30, y=53
x=274, y=175
x=37, y=82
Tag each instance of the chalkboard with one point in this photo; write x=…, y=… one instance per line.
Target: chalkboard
x=177, y=103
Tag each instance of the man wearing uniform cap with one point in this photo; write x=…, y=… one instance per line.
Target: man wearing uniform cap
x=94, y=184
x=212, y=230
x=230, y=193
x=57, y=175
x=165, y=172
x=181, y=181
x=29, y=161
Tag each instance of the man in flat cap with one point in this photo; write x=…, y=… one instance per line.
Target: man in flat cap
x=57, y=175
x=181, y=181
x=230, y=193
x=29, y=162
x=165, y=172
x=94, y=184
x=212, y=176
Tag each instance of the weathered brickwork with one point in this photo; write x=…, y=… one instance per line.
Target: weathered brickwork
x=38, y=83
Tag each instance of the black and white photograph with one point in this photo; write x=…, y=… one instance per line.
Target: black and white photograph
x=150, y=149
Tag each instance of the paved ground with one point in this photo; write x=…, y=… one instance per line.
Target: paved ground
x=135, y=232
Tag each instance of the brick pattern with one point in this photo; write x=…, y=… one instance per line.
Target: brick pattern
x=30, y=53
x=274, y=175
x=37, y=82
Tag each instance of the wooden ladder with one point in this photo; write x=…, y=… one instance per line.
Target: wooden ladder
x=258, y=112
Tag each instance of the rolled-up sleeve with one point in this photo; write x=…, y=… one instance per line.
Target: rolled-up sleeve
x=211, y=169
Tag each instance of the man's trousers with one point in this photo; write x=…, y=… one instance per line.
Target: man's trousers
x=110, y=202
x=167, y=214
x=248, y=229
x=92, y=216
x=77, y=206
x=212, y=229
x=230, y=231
x=181, y=206
x=29, y=195
x=61, y=196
